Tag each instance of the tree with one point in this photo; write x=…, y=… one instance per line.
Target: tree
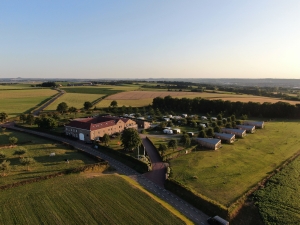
x=106, y=139
x=20, y=151
x=214, y=124
x=219, y=116
x=87, y=105
x=3, y=130
x=172, y=144
x=130, y=139
x=5, y=167
x=27, y=161
x=114, y=103
x=185, y=140
x=194, y=123
x=217, y=129
x=13, y=140
x=2, y=155
x=210, y=132
x=72, y=109
x=3, y=116
x=30, y=119
x=62, y=107
x=23, y=117
x=162, y=148
x=202, y=134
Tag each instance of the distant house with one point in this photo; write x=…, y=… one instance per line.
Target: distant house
x=228, y=138
x=142, y=123
x=257, y=124
x=210, y=143
x=248, y=128
x=176, y=131
x=237, y=132
x=88, y=129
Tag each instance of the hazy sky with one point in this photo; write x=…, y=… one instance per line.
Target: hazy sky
x=150, y=39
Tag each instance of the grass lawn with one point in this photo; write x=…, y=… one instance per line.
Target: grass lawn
x=15, y=102
x=224, y=175
x=39, y=149
x=74, y=99
x=279, y=202
x=81, y=199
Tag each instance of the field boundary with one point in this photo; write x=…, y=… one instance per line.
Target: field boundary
x=99, y=167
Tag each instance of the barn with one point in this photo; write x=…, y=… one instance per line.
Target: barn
x=248, y=128
x=238, y=132
x=228, y=138
x=257, y=124
x=210, y=143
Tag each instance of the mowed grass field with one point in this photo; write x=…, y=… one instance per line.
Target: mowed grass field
x=77, y=199
x=144, y=98
x=39, y=149
x=279, y=200
x=224, y=175
x=73, y=99
x=15, y=102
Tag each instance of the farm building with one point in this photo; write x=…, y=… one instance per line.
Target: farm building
x=142, y=123
x=237, y=132
x=229, y=138
x=176, y=131
x=248, y=128
x=210, y=143
x=88, y=129
x=257, y=124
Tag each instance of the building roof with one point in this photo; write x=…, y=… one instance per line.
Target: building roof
x=239, y=131
x=209, y=140
x=247, y=127
x=96, y=122
x=229, y=136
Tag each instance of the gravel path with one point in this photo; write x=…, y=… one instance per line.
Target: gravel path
x=197, y=216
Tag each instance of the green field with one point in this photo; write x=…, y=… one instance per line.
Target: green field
x=15, y=102
x=80, y=199
x=224, y=175
x=73, y=99
x=279, y=200
x=39, y=149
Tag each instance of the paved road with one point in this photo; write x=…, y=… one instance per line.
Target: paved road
x=38, y=110
x=185, y=208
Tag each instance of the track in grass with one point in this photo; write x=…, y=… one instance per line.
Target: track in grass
x=76, y=199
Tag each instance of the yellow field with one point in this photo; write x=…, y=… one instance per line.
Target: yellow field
x=74, y=99
x=144, y=98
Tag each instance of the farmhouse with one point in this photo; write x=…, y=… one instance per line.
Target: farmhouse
x=229, y=138
x=210, y=143
x=237, y=132
x=257, y=124
x=88, y=129
x=248, y=128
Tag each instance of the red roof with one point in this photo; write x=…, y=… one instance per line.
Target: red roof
x=94, y=123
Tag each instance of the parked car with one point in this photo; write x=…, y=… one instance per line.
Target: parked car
x=216, y=220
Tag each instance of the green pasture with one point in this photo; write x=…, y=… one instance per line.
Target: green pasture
x=39, y=149
x=73, y=99
x=226, y=174
x=15, y=102
x=80, y=199
x=100, y=89
x=278, y=201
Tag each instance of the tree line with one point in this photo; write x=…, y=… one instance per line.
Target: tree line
x=255, y=109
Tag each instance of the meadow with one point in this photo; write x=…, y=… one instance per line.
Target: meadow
x=141, y=98
x=39, y=149
x=278, y=201
x=73, y=99
x=226, y=174
x=81, y=199
x=15, y=102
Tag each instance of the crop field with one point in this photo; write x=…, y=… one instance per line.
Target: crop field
x=226, y=174
x=73, y=99
x=144, y=98
x=278, y=201
x=15, y=87
x=77, y=199
x=39, y=149
x=15, y=102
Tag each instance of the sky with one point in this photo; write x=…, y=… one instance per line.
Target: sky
x=150, y=39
